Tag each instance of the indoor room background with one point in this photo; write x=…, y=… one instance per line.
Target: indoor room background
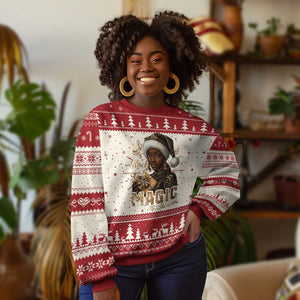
x=60, y=37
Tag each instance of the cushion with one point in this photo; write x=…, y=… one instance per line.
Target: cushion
x=290, y=286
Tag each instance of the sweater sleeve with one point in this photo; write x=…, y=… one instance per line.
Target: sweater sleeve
x=220, y=187
x=89, y=227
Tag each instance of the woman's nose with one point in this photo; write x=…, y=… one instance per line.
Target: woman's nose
x=146, y=67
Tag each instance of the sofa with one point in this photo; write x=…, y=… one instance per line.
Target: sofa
x=250, y=281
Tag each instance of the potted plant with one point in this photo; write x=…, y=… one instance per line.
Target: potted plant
x=287, y=103
x=293, y=44
x=268, y=40
x=28, y=101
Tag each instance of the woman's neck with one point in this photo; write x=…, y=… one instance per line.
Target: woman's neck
x=147, y=101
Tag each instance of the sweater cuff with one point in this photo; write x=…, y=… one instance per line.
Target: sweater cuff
x=103, y=285
x=196, y=210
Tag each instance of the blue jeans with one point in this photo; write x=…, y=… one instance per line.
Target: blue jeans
x=180, y=276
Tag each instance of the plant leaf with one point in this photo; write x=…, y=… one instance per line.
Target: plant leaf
x=29, y=102
x=38, y=173
x=8, y=213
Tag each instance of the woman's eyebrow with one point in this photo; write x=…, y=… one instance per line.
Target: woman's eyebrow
x=151, y=53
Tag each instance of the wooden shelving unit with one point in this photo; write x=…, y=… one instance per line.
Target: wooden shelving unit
x=268, y=210
x=262, y=135
x=246, y=59
x=224, y=68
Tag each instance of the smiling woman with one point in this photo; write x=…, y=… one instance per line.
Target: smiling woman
x=135, y=220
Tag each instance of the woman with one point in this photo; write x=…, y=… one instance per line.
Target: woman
x=123, y=238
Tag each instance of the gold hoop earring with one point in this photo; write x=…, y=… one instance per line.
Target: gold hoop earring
x=176, y=86
x=122, y=90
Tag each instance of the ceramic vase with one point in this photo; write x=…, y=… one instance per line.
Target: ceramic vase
x=233, y=24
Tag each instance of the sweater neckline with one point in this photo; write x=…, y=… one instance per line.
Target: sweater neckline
x=158, y=110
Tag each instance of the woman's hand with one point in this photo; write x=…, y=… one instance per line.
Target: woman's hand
x=111, y=294
x=192, y=226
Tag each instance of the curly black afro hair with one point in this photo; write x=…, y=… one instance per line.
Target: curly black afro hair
x=118, y=38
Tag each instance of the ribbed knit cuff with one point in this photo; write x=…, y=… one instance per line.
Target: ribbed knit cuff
x=103, y=285
x=196, y=210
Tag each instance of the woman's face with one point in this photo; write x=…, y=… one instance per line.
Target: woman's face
x=155, y=158
x=148, y=68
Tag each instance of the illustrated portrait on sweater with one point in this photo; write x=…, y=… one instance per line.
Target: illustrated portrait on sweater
x=160, y=185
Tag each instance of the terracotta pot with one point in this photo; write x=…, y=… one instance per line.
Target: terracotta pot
x=270, y=45
x=287, y=190
x=291, y=125
x=233, y=25
x=16, y=271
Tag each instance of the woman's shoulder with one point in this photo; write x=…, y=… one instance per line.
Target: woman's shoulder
x=108, y=106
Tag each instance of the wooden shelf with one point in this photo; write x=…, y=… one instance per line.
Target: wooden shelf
x=267, y=210
x=246, y=59
x=263, y=135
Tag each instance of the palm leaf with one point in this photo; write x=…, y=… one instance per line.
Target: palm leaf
x=228, y=239
x=11, y=50
x=52, y=247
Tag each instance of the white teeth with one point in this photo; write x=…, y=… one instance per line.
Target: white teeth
x=147, y=79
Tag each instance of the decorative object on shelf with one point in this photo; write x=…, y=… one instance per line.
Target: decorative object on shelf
x=211, y=36
x=269, y=41
x=11, y=53
x=287, y=103
x=293, y=43
x=262, y=120
x=287, y=188
x=139, y=8
x=237, y=101
x=233, y=24
x=16, y=271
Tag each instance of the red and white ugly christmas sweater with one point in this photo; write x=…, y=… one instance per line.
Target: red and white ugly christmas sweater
x=114, y=224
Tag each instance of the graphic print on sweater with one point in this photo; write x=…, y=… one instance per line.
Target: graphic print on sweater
x=159, y=187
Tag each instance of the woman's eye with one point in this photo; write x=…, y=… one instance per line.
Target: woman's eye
x=135, y=61
x=156, y=60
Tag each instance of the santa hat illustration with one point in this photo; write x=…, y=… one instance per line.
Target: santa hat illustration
x=162, y=143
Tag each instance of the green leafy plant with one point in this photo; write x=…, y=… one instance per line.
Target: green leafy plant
x=273, y=24
x=193, y=107
x=32, y=112
x=283, y=102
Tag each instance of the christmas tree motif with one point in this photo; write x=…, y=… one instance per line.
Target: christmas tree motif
x=122, y=123
x=129, y=233
x=171, y=228
x=203, y=127
x=148, y=122
x=95, y=239
x=117, y=237
x=113, y=120
x=130, y=121
x=184, y=125
x=140, y=125
x=138, y=234
x=182, y=222
x=77, y=243
x=84, y=240
x=166, y=124
x=163, y=230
